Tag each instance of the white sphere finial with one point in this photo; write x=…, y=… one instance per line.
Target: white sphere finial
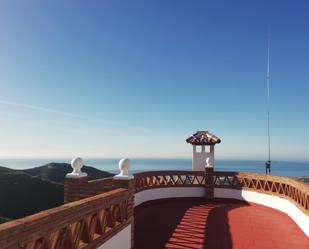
x=77, y=163
x=208, y=162
x=124, y=166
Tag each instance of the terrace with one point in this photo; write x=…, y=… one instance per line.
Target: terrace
x=170, y=209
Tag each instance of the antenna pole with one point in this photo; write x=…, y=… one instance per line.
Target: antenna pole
x=268, y=163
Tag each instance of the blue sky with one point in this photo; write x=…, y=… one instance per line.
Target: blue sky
x=136, y=78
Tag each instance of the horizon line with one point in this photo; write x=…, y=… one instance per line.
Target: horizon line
x=52, y=159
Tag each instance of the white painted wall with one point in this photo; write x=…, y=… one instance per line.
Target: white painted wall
x=199, y=157
x=170, y=192
x=281, y=204
x=122, y=240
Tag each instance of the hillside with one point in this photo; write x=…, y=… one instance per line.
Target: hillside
x=56, y=172
x=24, y=192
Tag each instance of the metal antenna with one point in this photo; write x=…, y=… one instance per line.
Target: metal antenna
x=268, y=163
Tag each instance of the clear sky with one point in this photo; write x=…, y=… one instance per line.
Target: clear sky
x=136, y=78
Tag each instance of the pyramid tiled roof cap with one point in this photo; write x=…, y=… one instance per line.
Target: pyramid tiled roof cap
x=203, y=138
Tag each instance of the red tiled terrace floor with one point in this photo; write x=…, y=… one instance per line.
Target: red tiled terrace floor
x=219, y=224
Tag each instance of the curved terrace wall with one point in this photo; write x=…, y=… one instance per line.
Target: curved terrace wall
x=281, y=193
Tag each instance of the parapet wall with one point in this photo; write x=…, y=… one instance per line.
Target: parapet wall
x=80, y=188
x=295, y=191
x=284, y=187
x=87, y=223
x=100, y=213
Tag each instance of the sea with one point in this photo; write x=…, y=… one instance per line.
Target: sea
x=280, y=168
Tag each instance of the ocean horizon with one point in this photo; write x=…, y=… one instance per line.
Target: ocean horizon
x=280, y=168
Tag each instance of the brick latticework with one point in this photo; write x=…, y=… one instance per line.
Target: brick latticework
x=209, y=182
x=86, y=223
x=130, y=185
x=295, y=191
x=79, y=188
x=168, y=178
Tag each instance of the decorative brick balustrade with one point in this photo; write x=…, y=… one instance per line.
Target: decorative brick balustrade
x=78, y=187
x=86, y=223
x=295, y=191
x=168, y=178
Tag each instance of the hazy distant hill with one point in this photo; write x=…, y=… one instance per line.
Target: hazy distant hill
x=24, y=192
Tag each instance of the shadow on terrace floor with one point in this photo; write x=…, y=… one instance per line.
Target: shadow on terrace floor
x=190, y=223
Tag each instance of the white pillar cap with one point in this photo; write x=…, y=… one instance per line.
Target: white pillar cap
x=77, y=163
x=124, y=166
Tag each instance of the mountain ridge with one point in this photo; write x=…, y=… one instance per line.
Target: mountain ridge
x=28, y=191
